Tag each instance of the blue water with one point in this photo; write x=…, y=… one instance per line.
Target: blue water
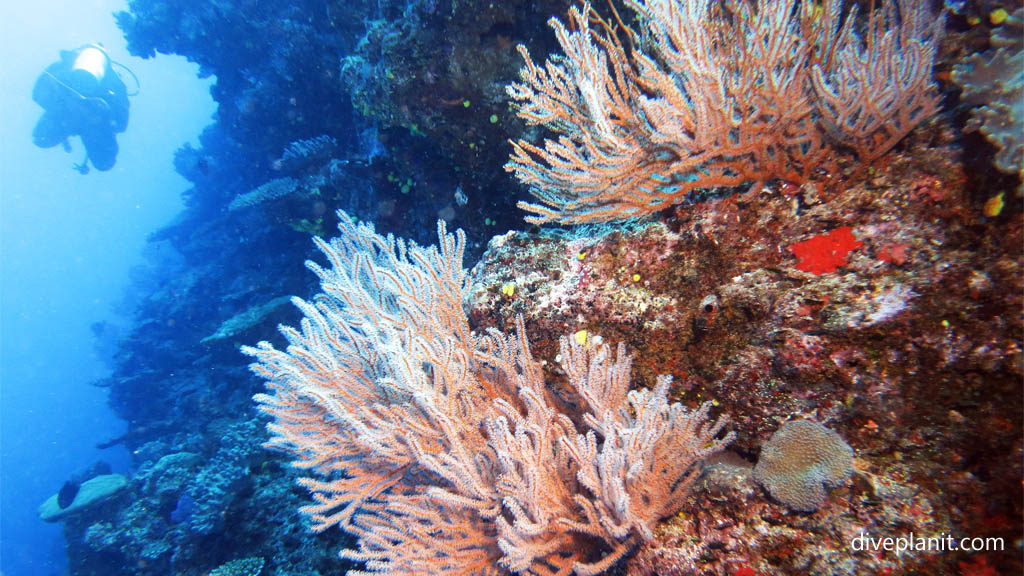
x=68, y=244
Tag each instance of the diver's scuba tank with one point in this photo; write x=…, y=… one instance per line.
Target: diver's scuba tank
x=89, y=68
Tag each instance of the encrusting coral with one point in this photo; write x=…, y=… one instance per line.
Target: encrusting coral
x=800, y=460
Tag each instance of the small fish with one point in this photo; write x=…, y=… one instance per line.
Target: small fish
x=67, y=493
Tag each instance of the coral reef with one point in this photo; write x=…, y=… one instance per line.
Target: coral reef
x=188, y=512
x=909, y=349
x=411, y=92
x=247, y=319
x=240, y=567
x=715, y=96
x=441, y=449
x=994, y=83
x=92, y=492
x=303, y=153
x=882, y=300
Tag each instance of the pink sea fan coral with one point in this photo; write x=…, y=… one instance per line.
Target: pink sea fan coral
x=440, y=448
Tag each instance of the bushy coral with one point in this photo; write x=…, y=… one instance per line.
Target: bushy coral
x=273, y=190
x=302, y=153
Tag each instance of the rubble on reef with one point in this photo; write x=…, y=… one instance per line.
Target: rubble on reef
x=910, y=349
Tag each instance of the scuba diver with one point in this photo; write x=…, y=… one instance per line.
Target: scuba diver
x=82, y=96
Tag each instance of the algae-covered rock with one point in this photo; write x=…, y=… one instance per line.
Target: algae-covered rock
x=92, y=492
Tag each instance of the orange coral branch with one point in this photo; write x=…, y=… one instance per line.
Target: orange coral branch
x=717, y=96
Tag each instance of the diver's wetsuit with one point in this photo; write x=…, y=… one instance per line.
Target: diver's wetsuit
x=76, y=103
